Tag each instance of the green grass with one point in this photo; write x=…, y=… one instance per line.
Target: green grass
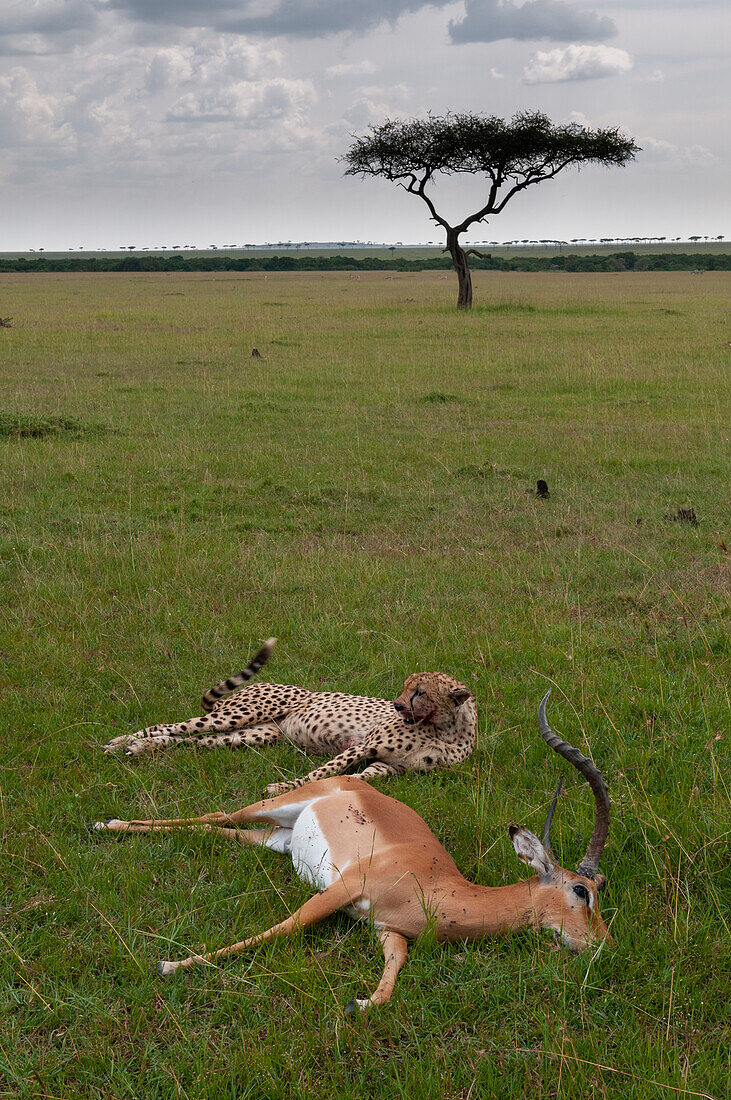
x=363, y=492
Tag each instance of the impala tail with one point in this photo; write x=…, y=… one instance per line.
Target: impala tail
x=256, y=664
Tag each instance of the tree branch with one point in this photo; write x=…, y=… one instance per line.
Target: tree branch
x=416, y=187
x=527, y=182
x=486, y=209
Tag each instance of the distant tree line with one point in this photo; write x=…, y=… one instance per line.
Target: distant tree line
x=615, y=261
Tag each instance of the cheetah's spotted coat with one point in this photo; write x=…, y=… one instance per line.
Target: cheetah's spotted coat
x=432, y=724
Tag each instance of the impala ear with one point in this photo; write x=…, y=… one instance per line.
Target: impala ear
x=459, y=696
x=529, y=848
x=601, y=882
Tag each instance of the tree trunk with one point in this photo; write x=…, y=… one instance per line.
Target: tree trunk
x=461, y=266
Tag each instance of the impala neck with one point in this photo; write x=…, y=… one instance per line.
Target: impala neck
x=468, y=911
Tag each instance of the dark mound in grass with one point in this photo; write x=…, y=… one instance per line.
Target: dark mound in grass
x=21, y=425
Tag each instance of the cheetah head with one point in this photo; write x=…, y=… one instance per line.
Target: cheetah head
x=431, y=697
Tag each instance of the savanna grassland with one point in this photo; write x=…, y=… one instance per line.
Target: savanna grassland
x=364, y=493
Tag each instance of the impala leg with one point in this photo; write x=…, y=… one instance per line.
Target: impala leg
x=282, y=811
x=153, y=824
x=395, y=950
x=314, y=910
x=241, y=836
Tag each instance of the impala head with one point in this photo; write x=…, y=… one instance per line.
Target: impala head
x=430, y=697
x=567, y=901
x=563, y=901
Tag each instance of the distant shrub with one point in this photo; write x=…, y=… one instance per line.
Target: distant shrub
x=437, y=398
x=23, y=426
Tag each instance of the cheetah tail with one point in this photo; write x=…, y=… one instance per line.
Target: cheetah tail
x=212, y=696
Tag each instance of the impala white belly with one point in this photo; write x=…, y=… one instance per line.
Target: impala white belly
x=310, y=851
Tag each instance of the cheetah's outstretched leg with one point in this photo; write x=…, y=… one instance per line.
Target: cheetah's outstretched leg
x=378, y=769
x=259, y=705
x=344, y=762
x=210, y=735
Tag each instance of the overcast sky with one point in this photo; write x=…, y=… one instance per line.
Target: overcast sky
x=161, y=122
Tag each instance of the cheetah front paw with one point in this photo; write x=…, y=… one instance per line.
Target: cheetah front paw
x=279, y=788
x=138, y=745
x=119, y=743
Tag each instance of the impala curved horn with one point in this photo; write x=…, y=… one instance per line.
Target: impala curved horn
x=546, y=834
x=590, y=863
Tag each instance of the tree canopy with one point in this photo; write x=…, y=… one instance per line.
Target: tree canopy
x=513, y=154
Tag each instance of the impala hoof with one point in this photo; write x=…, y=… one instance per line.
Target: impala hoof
x=166, y=968
x=95, y=827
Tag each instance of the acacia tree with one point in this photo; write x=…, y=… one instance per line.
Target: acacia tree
x=513, y=155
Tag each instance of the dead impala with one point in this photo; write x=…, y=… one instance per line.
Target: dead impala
x=377, y=859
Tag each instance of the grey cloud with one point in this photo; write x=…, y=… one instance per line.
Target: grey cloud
x=46, y=17
x=490, y=20
x=46, y=27
x=296, y=18
x=644, y=5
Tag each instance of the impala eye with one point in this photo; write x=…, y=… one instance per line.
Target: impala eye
x=582, y=892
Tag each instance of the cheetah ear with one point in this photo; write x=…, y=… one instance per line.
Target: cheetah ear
x=459, y=696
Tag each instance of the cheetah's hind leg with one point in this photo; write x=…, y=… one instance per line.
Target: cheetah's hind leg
x=205, y=733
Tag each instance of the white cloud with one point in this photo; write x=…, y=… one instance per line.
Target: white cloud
x=581, y=119
x=135, y=111
x=697, y=156
x=659, y=151
x=256, y=103
x=576, y=63
x=362, y=112
x=216, y=62
x=31, y=118
x=357, y=68
x=395, y=92
x=169, y=68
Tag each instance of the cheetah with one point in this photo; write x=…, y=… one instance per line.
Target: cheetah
x=432, y=724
